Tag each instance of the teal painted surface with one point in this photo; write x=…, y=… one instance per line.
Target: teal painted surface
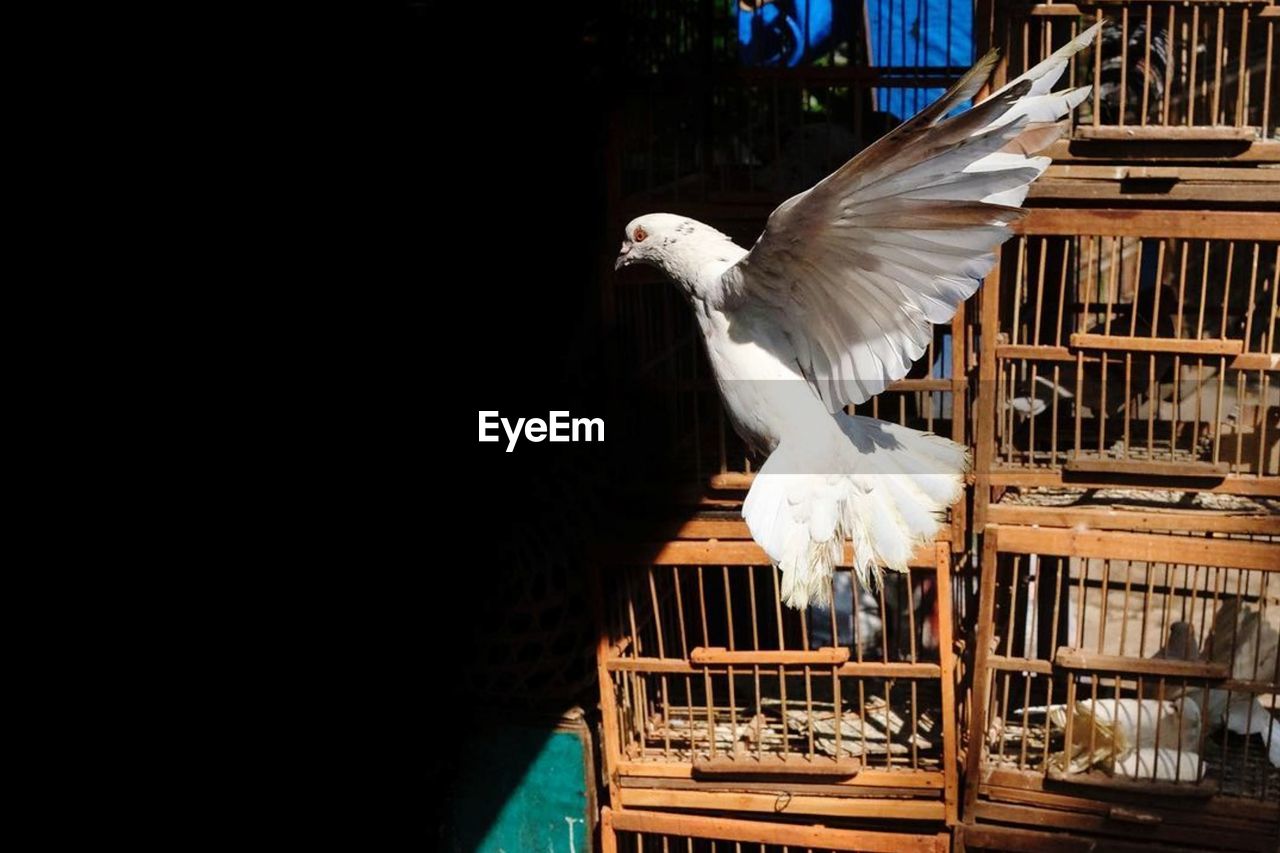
x=521, y=789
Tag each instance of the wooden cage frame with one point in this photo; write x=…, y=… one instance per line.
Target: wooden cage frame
x=992, y=478
x=735, y=831
x=782, y=787
x=1211, y=167
x=1211, y=128
x=1003, y=805
x=1164, y=159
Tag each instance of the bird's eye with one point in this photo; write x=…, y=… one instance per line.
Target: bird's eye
x=640, y=234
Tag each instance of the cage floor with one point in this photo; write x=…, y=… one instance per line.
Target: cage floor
x=903, y=732
x=1235, y=765
x=1120, y=498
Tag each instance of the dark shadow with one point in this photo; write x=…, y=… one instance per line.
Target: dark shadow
x=1155, y=150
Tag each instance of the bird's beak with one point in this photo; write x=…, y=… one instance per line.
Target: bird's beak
x=624, y=257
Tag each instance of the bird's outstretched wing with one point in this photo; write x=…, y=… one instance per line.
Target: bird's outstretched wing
x=858, y=268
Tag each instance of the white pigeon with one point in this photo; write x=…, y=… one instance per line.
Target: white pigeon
x=836, y=300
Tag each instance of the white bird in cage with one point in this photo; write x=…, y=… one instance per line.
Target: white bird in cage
x=838, y=298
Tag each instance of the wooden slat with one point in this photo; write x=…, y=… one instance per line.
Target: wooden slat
x=1228, y=814
x=783, y=804
x=944, y=608
x=731, y=553
x=985, y=404
x=787, y=834
x=1038, y=352
x=611, y=735
x=868, y=777
x=660, y=666
x=1167, y=133
x=1184, y=174
x=1197, y=837
x=1256, y=360
x=775, y=765
x=1145, y=547
x=732, y=480
x=1098, y=779
x=867, y=669
x=1236, y=484
x=957, y=534
x=1186, y=224
x=980, y=692
x=1154, y=151
x=718, y=655
x=925, y=384
x=1184, y=3
x=873, y=669
x=815, y=785
x=1137, y=467
x=1223, y=812
x=712, y=553
x=608, y=837
x=1020, y=840
x=1259, y=687
x=1012, y=664
x=713, y=529
x=1072, y=658
x=1105, y=193
x=1051, y=10
x=1128, y=343
x=1044, y=352
x=1105, y=518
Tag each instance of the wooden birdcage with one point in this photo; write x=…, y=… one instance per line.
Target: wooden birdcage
x=1126, y=689
x=717, y=696
x=1131, y=349
x=1185, y=101
x=1163, y=71
x=643, y=831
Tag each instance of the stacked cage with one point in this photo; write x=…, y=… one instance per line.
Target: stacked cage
x=729, y=720
x=1124, y=687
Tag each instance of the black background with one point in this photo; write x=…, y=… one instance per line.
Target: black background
x=499, y=171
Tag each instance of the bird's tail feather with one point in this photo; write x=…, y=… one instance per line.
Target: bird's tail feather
x=887, y=494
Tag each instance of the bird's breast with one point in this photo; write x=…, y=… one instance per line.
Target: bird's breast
x=755, y=368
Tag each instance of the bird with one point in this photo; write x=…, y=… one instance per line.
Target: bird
x=1144, y=70
x=1182, y=643
x=838, y=297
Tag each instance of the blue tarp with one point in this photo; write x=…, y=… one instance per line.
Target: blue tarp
x=934, y=33
x=788, y=32
x=931, y=33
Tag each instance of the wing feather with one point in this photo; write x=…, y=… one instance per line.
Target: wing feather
x=858, y=269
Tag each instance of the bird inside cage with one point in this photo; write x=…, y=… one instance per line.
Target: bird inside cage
x=1144, y=78
x=1181, y=643
x=1245, y=638
x=1141, y=73
x=1121, y=735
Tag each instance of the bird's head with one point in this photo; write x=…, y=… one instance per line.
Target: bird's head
x=686, y=250
x=654, y=239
